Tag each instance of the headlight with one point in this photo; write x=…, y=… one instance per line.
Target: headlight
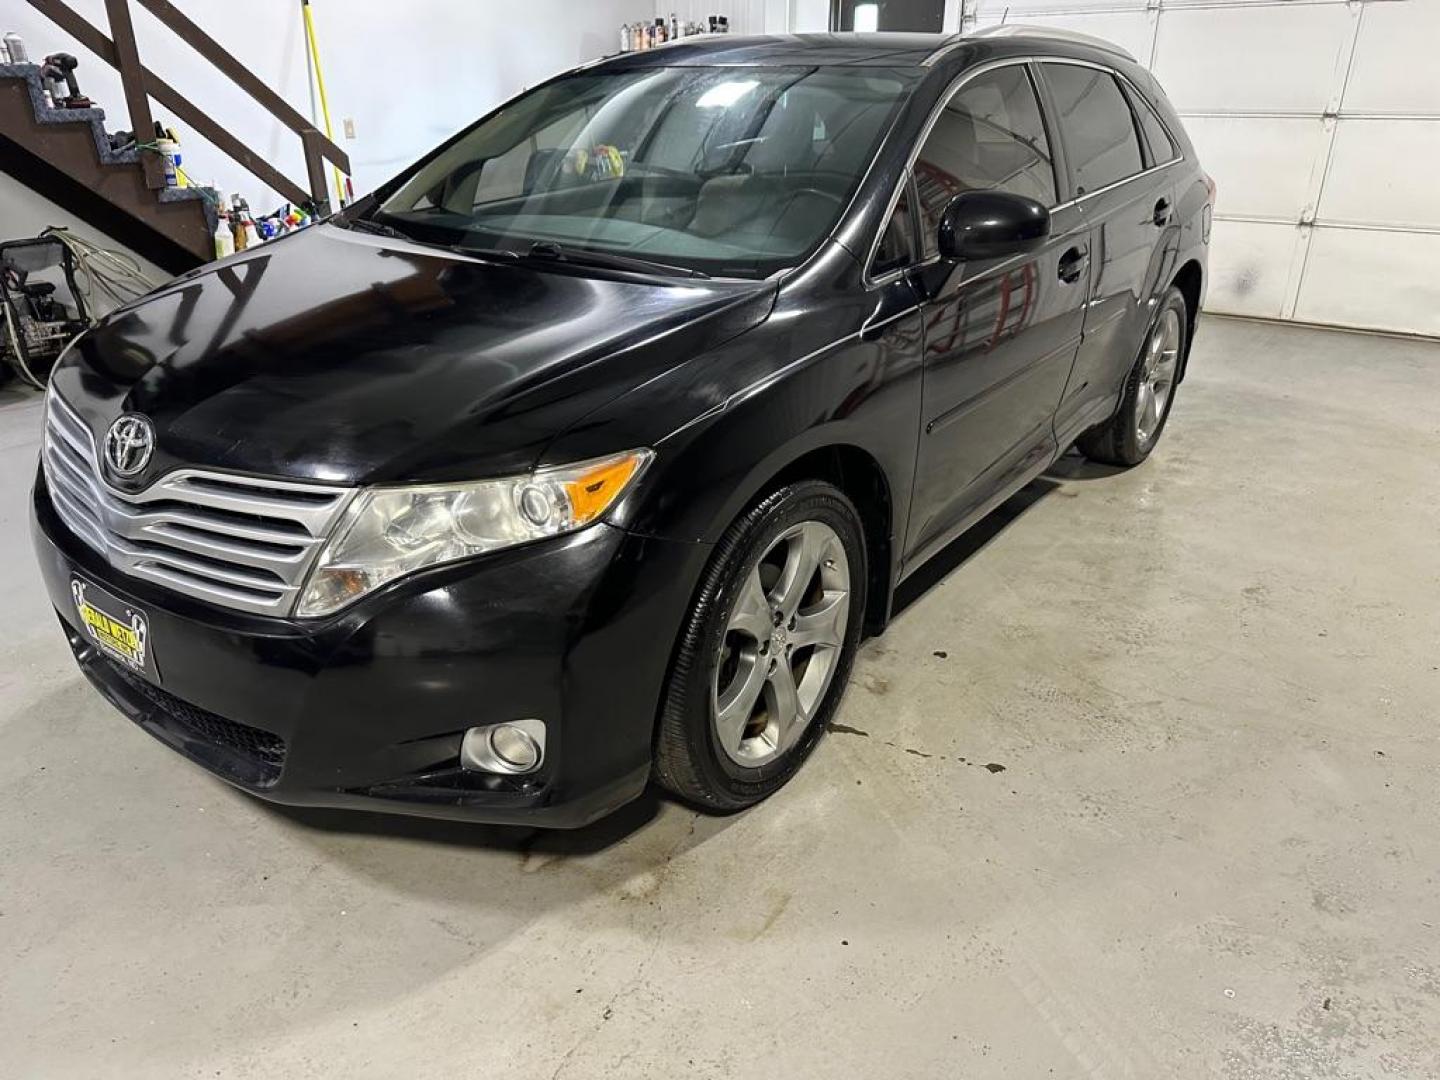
x=392, y=531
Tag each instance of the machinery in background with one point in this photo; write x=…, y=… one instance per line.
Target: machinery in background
x=37, y=325
x=39, y=320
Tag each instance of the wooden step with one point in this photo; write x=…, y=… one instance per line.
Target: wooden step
x=65, y=155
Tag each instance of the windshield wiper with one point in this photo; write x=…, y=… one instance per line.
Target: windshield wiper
x=480, y=252
x=370, y=225
x=548, y=249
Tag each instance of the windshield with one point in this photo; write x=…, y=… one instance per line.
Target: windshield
x=726, y=171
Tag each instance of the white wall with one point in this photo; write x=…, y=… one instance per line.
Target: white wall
x=809, y=16
x=1320, y=121
x=408, y=74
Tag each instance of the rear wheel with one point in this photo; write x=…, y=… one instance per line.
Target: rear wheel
x=767, y=650
x=1128, y=437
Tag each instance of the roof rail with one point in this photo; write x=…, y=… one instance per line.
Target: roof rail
x=1026, y=30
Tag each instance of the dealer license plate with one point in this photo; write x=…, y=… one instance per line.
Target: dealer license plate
x=120, y=630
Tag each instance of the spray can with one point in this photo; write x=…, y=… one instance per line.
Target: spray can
x=15, y=46
x=168, y=135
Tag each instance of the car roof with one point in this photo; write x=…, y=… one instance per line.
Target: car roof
x=864, y=50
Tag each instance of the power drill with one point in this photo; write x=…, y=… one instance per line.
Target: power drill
x=60, y=68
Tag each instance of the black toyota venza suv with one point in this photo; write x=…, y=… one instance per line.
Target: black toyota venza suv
x=584, y=451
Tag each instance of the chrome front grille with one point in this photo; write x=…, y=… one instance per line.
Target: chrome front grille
x=243, y=542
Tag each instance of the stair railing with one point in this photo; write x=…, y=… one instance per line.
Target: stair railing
x=140, y=84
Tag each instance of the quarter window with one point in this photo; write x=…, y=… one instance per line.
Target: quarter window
x=1162, y=147
x=989, y=137
x=897, y=243
x=1101, y=143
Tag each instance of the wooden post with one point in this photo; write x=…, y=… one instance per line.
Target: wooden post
x=315, y=167
x=132, y=78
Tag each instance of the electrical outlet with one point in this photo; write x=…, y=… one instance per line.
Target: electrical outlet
x=349, y=127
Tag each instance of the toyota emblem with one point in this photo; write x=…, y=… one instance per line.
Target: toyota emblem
x=128, y=445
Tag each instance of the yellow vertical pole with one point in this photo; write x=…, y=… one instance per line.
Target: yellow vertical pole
x=320, y=85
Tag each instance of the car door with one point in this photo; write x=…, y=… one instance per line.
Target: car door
x=1126, y=199
x=1000, y=334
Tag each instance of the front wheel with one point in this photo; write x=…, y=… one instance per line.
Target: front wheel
x=1128, y=437
x=766, y=652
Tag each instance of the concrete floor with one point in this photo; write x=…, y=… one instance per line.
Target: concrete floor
x=1213, y=684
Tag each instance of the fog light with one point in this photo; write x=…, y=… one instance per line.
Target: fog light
x=515, y=747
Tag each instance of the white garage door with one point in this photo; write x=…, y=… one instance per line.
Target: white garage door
x=1320, y=121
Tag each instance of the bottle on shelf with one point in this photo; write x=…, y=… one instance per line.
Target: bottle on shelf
x=224, y=238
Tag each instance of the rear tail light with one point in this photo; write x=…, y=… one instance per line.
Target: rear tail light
x=1209, y=186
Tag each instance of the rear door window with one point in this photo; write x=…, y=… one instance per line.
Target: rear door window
x=1101, y=143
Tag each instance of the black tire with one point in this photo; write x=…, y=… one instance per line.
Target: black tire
x=689, y=760
x=1121, y=440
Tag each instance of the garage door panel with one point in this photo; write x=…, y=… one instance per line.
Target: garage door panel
x=1259, y=84
x=1378, y=280
x=1263, y=166
x=1262, y=59
x=1383, y=172
x=1131, y=30
x=1011, y=10
x=1394, y=68
x=1250, y=267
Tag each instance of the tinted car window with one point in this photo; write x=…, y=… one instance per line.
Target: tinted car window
x=1101, y=144
x=989, y=137
x=897, y=243
x=1162, y=147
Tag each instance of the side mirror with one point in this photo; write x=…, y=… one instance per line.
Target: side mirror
x=991, y=225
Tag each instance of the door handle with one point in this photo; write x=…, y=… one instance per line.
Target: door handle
x=1162, y=212
x=1072, y=264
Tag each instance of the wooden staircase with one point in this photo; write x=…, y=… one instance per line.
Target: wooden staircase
x=65, y=154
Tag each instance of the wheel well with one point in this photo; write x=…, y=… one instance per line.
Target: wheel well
x=1188, y=281
x=861, y=478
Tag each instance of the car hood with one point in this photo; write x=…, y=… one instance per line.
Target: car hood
x=341, y=356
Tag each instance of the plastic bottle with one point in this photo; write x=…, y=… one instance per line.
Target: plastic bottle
x=15, y=46
x=224, y=238
x=170, y=156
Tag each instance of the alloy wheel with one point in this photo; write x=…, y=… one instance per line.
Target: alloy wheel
x=1157, y=375
x=781, y=644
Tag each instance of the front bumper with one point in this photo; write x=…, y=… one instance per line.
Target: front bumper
x=367, y=709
